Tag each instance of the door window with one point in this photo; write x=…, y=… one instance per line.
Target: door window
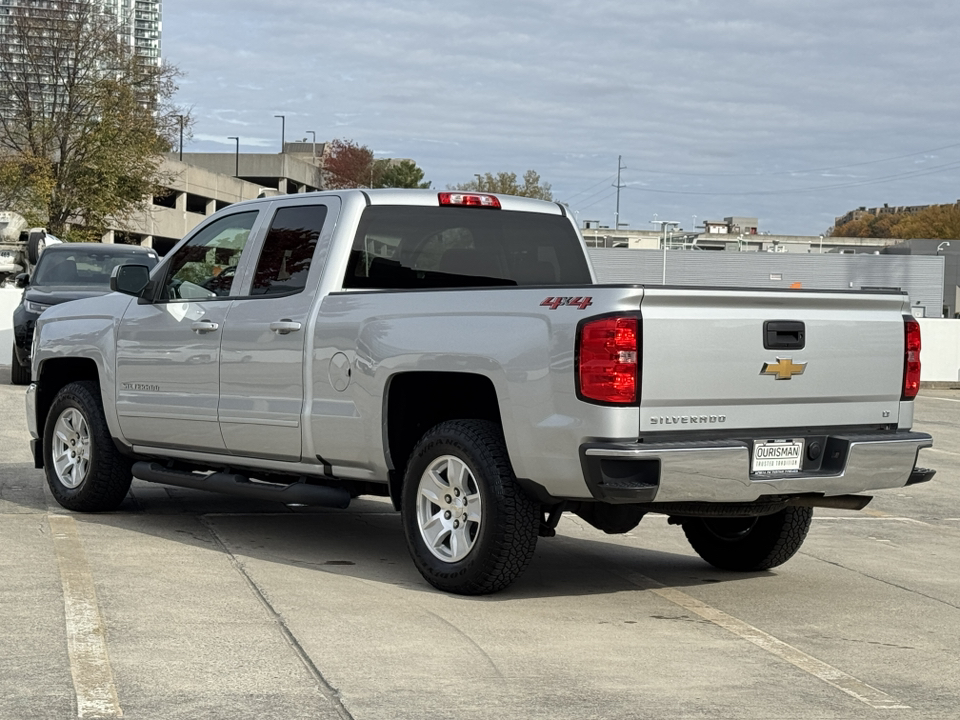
x=288, y=250
x=205, y=267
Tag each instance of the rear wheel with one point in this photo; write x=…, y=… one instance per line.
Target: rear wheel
x=470, y=528
x=19, y=374
x=749, y=543
x=84, y=469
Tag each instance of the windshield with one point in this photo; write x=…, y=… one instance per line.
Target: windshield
x=84, y=267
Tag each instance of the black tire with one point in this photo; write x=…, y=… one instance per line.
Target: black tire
x=19, y=374
x=751, y=543
x=102, y=476
x=35, y=242
x=502, y=542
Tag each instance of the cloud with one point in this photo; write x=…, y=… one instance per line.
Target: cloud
x=688, y=93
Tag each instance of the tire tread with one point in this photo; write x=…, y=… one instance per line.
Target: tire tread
x=110, y=475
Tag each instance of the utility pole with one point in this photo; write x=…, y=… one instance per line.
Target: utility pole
x=616, y=219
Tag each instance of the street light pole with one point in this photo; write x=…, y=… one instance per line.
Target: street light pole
x=236, y=172
x=663, y=239
x=314, y=134
x=181, y=137
x=283, y=131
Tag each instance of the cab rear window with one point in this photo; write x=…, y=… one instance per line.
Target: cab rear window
x=405, y=247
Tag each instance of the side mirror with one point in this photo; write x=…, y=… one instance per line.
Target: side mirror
x=129, y=279
x=22, y=280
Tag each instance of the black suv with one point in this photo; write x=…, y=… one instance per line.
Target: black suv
x=65, y=272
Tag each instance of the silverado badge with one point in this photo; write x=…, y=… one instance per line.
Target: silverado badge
x=784, y=368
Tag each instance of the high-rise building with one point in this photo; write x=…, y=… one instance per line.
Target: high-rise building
x=40, y=69
x=141, y=20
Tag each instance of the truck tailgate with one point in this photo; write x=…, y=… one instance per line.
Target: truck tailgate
x=706, y=367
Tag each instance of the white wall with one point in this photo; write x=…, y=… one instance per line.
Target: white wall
x=940, y=350
x=9, y=299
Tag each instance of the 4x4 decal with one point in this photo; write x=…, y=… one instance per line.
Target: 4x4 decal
x=579, y=302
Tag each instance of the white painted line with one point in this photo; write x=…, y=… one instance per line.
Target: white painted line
x=86, y=634
x=866, y=694
x=945, y=452
x=934, y=397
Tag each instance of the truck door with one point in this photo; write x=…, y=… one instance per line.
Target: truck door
x=262, y=353
x=168, y=349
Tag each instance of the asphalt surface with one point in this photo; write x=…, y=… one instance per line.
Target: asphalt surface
x=190, y=605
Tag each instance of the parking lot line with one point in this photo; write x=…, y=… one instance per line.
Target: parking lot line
x=86, y=634
x=863, y=692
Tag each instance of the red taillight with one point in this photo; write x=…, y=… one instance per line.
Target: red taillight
x=609, y=359
x=469, y=199
x=911, y=357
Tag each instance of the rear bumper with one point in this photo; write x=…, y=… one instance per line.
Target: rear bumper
x=719, y=471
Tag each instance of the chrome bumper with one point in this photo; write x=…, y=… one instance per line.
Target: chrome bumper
x=719, y=471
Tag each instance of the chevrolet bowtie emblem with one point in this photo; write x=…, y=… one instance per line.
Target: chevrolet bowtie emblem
x=784, y=368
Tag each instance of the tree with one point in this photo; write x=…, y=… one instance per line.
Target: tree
x=507, y=184
x=940, y=222
x=351, y=165
x=403, y=174
x=84, y=121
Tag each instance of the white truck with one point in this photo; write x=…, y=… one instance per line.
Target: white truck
x=20, y=245
x=453, y=352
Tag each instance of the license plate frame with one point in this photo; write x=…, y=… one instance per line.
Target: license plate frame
x=785, y=455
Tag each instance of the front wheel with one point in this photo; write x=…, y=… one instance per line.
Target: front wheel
x=470, y=528
x=84, y=469
x=749, y=543
x=19, y=374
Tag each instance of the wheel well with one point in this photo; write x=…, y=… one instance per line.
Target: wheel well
x=416, y=401
x=54, y=374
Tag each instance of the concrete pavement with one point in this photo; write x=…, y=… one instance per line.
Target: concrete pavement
x=212, y=607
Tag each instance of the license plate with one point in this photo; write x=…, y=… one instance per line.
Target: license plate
x=777, y=455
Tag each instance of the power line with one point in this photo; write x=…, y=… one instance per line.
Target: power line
x=799, y=172
x=836, y=186
x=581, y=192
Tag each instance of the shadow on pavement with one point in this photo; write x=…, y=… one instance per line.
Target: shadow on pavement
x=366, y=542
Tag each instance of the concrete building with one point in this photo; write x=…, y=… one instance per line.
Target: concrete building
x=190, y=194
x=283, y=172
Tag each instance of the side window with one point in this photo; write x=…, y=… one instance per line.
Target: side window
x=288, y=250
x=204, y=268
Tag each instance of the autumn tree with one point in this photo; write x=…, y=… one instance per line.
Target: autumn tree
x=84, y=121
x=508, y=184
x=936, y=222
x=348, y=164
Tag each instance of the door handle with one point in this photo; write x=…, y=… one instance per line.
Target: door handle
x=285, y=326
x=204, y=326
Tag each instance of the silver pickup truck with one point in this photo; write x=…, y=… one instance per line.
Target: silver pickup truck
x=455, y=353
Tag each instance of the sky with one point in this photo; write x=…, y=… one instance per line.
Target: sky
x=792, y=112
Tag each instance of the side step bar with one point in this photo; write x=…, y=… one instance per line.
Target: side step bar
x=298, y=493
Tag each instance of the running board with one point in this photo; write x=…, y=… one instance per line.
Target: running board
x=298, y=493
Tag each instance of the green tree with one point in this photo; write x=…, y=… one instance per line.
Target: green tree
x=403, y=174
x=508, y=184
x=82, y=116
